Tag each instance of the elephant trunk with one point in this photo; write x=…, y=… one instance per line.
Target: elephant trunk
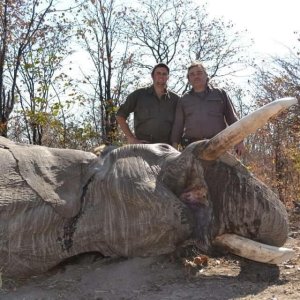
x=244, y=205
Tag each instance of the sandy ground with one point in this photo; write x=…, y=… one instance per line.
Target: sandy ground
x=165, y=277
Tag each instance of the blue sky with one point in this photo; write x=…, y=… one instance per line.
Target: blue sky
x=270, y=22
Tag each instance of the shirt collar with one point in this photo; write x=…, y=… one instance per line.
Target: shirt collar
x=151, y=90
x=206, y=91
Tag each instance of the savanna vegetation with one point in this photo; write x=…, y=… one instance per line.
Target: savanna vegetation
x=46, y=99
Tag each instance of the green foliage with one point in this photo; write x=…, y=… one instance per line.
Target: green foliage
x=21, y=25
x=56, y=108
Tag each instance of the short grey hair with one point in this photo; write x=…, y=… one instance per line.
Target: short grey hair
x=196, y=63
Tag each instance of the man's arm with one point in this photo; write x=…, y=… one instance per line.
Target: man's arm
x=124, y=111
x=229, y=110
x=131, y=138
x=231, y=117
x=240, y=148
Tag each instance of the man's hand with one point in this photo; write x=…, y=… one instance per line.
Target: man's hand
x=240, y=149
x=175, y=145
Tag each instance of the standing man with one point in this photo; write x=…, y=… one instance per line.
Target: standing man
x=154, y=110
x=202, y=112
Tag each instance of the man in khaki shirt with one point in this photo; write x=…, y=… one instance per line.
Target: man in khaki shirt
x=202, y=112
x=154, y=110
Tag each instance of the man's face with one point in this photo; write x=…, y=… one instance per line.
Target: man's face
x=197, y=78
x=160, y=76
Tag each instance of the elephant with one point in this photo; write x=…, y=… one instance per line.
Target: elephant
x=137, y=200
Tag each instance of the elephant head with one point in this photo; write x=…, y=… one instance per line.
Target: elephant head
x=231, y=207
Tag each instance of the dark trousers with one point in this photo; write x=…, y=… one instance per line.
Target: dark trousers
x=185, y=141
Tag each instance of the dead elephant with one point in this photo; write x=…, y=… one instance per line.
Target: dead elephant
x=137, y=200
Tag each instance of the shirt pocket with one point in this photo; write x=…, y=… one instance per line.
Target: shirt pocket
x=215, y=107
x=144, y=112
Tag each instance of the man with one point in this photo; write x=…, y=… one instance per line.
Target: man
x=203, y=111
x=154, y=110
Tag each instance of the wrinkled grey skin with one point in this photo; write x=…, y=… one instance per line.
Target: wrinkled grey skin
x=137, y=200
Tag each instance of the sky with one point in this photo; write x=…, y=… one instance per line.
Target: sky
x=270, y=23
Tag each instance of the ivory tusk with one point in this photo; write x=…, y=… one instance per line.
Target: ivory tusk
x=237, y=131
x=252, y=250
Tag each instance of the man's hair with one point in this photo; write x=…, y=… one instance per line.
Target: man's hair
x=160, y=65
x=196, y=63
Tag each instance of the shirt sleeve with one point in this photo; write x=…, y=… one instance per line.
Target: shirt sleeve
x=178, y=125
x=230, y=112
x=128, y=106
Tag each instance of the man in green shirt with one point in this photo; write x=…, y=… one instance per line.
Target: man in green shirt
x=202, y=112
x=154, y=110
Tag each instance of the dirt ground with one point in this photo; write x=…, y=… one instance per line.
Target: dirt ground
x=165, y=277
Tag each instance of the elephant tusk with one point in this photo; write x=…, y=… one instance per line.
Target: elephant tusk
x=252, y=250
x=239, y=130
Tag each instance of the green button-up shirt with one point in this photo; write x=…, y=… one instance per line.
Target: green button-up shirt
x=153, y=116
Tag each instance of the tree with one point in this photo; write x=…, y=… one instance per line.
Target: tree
x=177, y=32
x=20, y=23
x=41, y=78
x=110, y=57
x=277, y=145
x=124, y=42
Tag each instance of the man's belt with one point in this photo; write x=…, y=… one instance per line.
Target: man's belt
x=150, y=139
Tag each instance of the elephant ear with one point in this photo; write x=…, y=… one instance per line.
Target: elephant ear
x=58, y=176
